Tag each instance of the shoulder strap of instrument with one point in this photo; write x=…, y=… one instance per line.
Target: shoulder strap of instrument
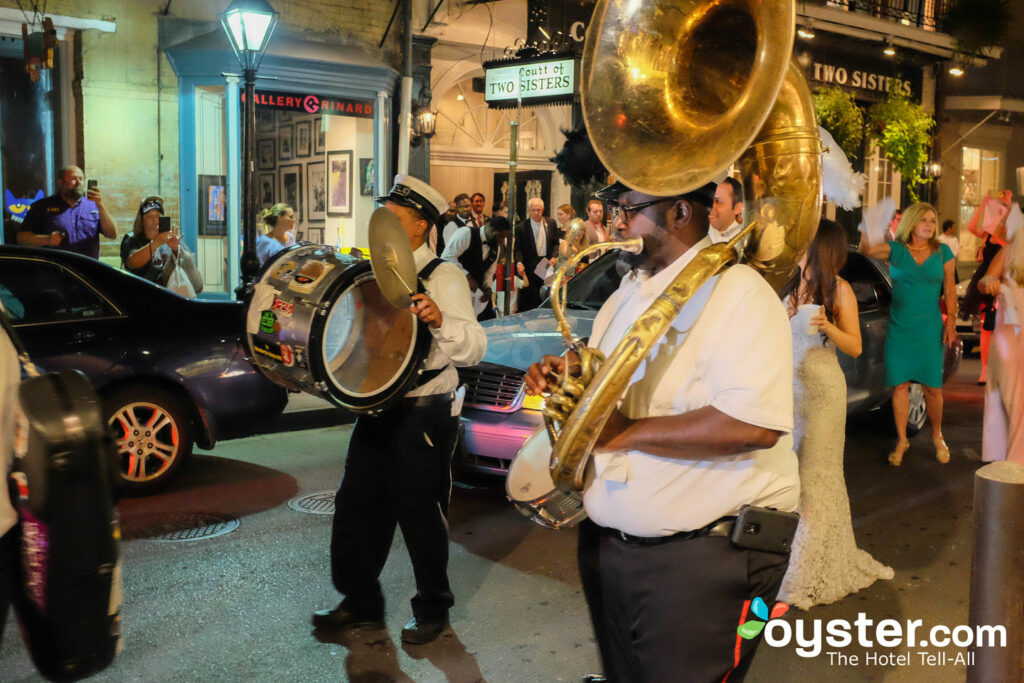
x=424, y=274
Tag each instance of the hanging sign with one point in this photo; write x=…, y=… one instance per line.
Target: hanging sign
x=536, y=80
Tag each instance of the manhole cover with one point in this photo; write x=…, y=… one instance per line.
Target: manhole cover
x=320, y=503
x=177, y=526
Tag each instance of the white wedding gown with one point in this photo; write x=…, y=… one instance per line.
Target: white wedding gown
x=825, y=565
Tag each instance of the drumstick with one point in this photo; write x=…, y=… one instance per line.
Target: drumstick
x=391, y=259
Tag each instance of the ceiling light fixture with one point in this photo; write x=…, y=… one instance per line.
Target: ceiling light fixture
x=888, y=50
x=956, y=71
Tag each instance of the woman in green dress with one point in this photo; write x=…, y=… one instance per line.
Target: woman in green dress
x=921, y=268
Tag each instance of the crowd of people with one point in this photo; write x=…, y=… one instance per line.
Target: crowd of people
x=478, y=243
x=686, y=458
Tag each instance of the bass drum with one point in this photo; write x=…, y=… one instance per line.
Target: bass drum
x=318, y=323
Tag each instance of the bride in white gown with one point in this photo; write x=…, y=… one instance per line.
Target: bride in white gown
x=825, y=565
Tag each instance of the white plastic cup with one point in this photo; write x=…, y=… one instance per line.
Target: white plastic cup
x=806, y=312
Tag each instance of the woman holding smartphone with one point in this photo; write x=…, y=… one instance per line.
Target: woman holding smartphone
x=154, y=250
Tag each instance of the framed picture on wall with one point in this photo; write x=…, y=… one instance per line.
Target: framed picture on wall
x=320, y=144
x=291, y=186
x=266, y=188
x=366, y=173
x=266, y=153
x=303, y=143
x=264, y=120
x=213, y=205
x=316, y=191
x=285, y=141
x=339, y=183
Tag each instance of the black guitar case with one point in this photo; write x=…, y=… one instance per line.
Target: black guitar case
x=68, y=594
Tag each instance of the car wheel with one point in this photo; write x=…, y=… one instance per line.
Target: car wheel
x=153, y=436
x=918, y=410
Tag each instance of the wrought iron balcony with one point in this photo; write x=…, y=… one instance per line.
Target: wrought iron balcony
x=924, y=14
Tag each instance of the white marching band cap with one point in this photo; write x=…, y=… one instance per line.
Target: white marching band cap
x=418, y=195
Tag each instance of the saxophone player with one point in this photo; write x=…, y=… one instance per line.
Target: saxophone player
x=699, y=439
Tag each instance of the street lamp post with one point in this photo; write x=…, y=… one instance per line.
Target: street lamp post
x=249, y=25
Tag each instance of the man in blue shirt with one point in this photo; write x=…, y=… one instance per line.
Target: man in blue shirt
x=67, y=220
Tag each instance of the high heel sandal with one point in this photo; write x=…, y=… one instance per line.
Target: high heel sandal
x=896, y=457
x=942, y=451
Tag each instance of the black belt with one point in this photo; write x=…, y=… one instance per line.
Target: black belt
x=427, y=401
x=720, y=527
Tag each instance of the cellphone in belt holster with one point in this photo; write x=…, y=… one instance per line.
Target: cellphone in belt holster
x=764, y=529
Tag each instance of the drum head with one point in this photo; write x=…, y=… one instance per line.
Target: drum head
x=318, y=323
x=368, y=349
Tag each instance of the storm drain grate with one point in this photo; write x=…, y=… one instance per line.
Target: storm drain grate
x=173, y=527
x=320, y=503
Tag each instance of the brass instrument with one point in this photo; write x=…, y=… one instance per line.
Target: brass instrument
x=672, y=93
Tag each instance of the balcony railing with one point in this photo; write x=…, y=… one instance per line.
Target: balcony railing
x=925, y=14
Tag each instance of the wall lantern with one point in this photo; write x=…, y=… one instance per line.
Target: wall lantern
x=424, y=122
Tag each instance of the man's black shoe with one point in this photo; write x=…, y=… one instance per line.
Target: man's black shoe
x=341, y=619
x=418, y=632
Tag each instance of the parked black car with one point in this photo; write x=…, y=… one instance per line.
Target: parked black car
x=171, y=371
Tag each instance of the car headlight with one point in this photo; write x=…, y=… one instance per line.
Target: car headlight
x=533, y=402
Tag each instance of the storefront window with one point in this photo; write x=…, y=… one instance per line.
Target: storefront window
x=211, y=188
x=30, y=133
x=316, y=155
x=981, y=170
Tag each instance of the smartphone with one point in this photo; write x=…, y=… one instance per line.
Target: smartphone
x=92, y=184
x=165, y=224
x=766, y=529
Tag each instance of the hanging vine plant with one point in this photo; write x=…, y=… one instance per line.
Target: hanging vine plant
x=839, y=114
x=901, y=128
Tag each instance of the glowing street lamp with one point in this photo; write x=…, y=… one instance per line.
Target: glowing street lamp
x=249, y=25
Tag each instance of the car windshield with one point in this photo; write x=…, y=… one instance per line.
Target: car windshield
x=588, y=289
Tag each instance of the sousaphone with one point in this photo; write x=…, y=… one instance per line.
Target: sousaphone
x=673, y=94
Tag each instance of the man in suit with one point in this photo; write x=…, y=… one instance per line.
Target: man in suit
x=536, y=242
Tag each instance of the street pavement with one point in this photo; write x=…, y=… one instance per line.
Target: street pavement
x=236, y=607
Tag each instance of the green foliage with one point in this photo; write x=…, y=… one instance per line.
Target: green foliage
x=901, y=128
x=839, y=114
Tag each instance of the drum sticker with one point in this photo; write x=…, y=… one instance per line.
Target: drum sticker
x=268, y=323
x=285, y=271
x=268, y=349
x=311, y=273
x=283, y=308
x=300, y=356
x=287, y=357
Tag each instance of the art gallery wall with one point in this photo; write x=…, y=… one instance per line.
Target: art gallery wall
x=345, y=133
x=284, y=171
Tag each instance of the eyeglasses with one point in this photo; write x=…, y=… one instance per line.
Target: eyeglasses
x=624, y=211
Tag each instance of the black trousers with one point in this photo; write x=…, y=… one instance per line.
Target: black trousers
x=669, y=612
x=397, y=472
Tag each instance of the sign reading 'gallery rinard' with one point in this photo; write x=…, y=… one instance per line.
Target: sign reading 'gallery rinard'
x=536, y=80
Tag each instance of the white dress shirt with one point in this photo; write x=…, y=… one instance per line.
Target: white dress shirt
x=459, y=341
x=459, y=243
x=539, y=237
x=952, y=242
x=731, y=348
x=730, y=232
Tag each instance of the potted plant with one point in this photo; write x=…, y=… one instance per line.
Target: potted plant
x=901, y=128
x=839, y=114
